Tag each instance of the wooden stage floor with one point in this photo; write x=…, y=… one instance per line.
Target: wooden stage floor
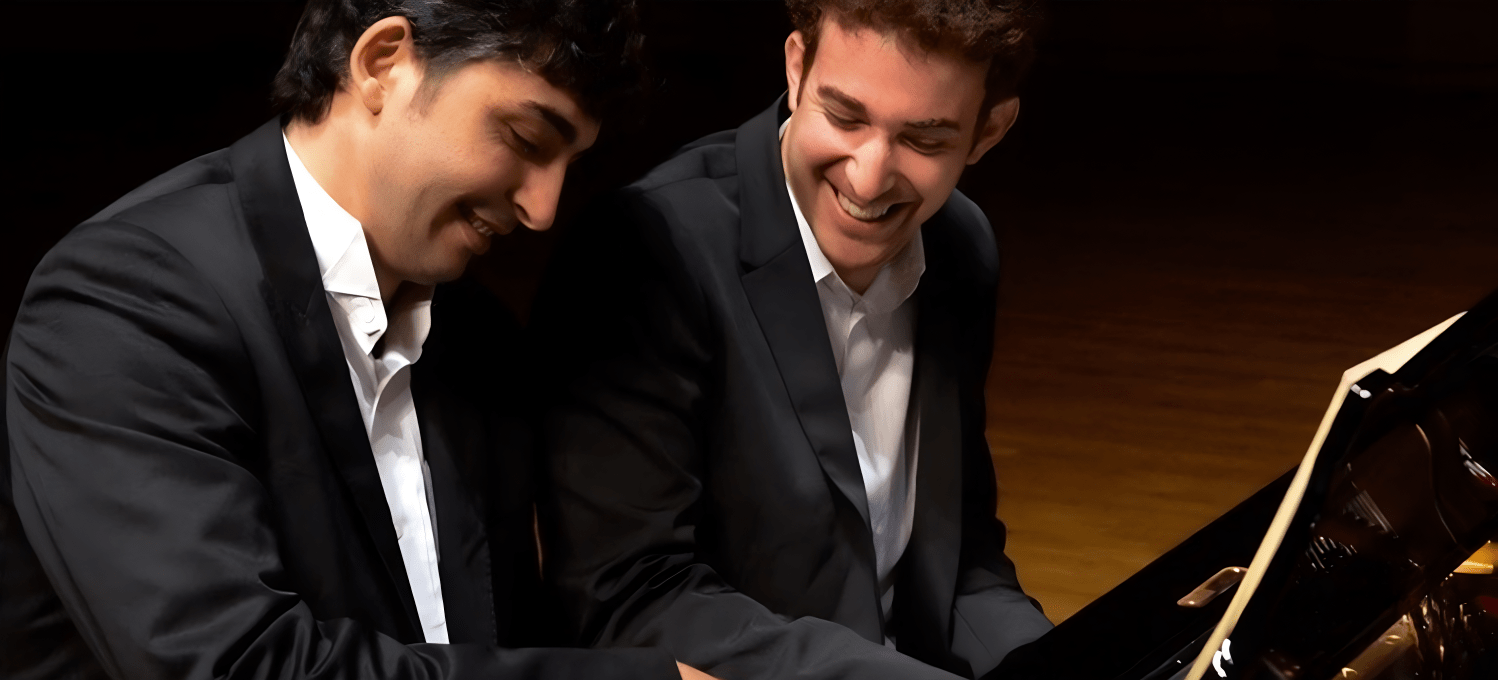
x=1174, y=318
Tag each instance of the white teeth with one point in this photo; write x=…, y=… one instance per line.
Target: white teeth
x=480, y=228
x=868, y=214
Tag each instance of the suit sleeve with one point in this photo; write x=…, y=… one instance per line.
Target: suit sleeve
x=632, y=349
x=991, y=614
x=132, y=417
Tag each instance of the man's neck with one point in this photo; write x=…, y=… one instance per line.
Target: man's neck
x=858, y=280
x=332, y=154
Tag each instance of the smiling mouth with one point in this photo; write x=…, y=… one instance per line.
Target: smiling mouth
x=871, y=213
x=480, y=225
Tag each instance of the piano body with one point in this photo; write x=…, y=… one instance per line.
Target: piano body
x=1382, y=568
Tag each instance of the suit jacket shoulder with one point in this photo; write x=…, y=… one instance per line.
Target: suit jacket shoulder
x=674, y=231
x=710, y=157
x=977, y=254
x=691, y=200
x=193, y=210
x=210, y=168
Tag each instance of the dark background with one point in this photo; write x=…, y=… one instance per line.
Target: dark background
x=1193, y=94
x=1207, y=210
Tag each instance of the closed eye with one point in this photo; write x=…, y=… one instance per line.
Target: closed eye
x=926, y=146
x=525, y=146
x=841, y=122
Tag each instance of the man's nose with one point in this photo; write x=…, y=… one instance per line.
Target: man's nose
x=870, y=170
x=536, y=199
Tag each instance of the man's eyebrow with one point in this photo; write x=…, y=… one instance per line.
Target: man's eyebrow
x=564, y=127
x=842, y=99
x=857, y=108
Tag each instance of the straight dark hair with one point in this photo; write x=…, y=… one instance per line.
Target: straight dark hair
x=590, y=48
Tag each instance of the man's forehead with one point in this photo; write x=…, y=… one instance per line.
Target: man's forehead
x=866, y=71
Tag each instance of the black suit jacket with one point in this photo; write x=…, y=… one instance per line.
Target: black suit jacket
x=189, y=466
x=708, y=494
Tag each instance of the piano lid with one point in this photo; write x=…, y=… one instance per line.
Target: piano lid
x=1397, y=488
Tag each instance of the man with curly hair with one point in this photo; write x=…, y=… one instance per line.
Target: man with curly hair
x=249, y=433
x=768, y=431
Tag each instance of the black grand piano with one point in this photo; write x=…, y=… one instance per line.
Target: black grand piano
x=1375, y=577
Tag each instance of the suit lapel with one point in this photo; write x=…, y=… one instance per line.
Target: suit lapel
x=293, y=291
x=459, y=452
x=462, y=543
x=784, y=298
x=928, y=582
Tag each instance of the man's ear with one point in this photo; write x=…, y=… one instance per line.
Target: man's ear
x=372, y=64
x=795, y=52
x=1000, y=118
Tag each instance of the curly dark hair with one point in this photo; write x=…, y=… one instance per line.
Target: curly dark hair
x=980, y=30
x=590, y=48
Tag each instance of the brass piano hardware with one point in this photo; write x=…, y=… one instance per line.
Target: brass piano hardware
x=1470, y=567
x=1481, y=562
x=1212, y=587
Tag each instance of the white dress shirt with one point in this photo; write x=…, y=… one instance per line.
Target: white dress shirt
x=873, y=342
x=382, y=382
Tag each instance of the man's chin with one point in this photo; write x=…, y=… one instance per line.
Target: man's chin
x=854, y=236
x=450, y=273
x=443, y=272
x=848, y=255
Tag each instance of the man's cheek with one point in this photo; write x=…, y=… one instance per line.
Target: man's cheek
x=826, y=143
x=934, y=181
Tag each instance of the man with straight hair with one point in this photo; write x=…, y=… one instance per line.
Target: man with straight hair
x=770, y=353
x=249, y=436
